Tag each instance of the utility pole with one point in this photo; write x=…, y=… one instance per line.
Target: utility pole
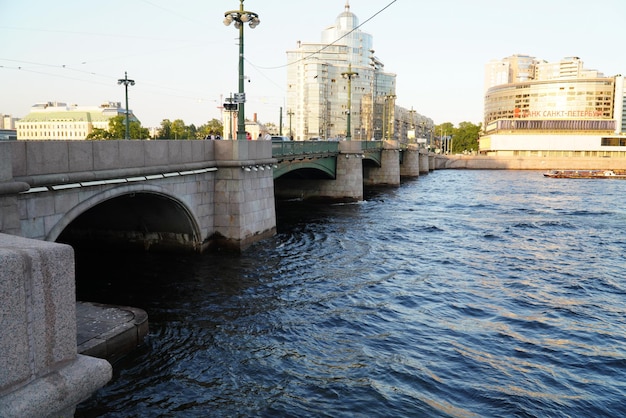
x=125, y=81
x=349, y=75
x=290, y=113
x=240, y=17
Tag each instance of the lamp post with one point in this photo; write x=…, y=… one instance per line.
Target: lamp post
x=125, y=81
x=240, y=17
x=412, y=120
x=388, y=126
x=290, y=114
x=349, y=75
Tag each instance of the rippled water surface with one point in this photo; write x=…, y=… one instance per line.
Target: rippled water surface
x=461, y=294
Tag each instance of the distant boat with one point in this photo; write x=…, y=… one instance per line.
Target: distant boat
x=586, y=174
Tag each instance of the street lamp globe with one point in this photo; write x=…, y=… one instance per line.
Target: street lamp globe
x=238, y=18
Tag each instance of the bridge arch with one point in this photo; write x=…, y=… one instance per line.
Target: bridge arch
x=133, y=216
x=321, y=168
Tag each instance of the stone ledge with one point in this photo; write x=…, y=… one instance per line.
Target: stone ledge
x=57, y=393
x=107, y=331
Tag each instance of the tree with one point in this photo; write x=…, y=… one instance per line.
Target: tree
x=179, y=130
x=166, y=130
x=440, y=132
x=99, y=133
x=212, y=127
x=117, y=127
x=117, y=130
x=466, y=137
x=138, y=132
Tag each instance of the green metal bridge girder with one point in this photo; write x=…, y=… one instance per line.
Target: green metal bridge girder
x=327, y=166
x=320, y=156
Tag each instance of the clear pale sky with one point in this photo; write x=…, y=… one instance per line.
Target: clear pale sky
x=184, y=60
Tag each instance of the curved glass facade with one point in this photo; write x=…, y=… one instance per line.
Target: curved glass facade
x=573, y=99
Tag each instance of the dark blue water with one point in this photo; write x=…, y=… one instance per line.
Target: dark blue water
x=460, y=294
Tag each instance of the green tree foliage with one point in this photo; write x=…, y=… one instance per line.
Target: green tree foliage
x=166, y=130
x=212, y=127
x=117, y=127
x=466, y=137
x=117, y=130
x=99, y=133
x=178, y=130
x=463, y=138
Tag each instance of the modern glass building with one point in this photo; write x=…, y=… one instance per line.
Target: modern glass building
x=322, y=77
x=557, y=109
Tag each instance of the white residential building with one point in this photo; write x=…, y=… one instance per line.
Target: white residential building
x=323, y=77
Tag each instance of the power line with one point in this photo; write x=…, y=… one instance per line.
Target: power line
x=334, y=42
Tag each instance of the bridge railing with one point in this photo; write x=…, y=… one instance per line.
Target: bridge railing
x=371, y=145
x=286, y=149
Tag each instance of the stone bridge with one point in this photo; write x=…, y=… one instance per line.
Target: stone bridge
x=189, y=195
x=151, y=194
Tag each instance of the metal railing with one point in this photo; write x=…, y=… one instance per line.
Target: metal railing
x=286, y=149
x=371, y=145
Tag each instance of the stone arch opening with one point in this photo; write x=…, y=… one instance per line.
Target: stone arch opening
x=137, y=221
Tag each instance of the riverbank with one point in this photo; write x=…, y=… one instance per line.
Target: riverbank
x=483, y=162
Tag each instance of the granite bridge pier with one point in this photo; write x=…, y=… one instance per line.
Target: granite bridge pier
x=151, y=195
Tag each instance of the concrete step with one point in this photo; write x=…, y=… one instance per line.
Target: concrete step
x=107, y=331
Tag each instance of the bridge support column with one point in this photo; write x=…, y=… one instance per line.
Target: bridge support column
x=346, y=186
x=410, y=166
x=388, y=174
x=424, y=164
x=42, y=374
x=9, y=216
x=245, y=210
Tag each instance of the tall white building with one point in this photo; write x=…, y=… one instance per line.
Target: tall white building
x=514, y=69
x=7, y=121
x=322, y=76
x=567, y=68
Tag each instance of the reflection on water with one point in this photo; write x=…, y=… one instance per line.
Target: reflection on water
x=463, y=293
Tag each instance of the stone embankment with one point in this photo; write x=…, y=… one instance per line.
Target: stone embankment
x=481, y=162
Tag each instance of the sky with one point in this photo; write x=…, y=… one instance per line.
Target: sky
x=184, y=60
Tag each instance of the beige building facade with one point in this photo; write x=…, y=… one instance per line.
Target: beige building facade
x=55, y=120
x=553, y=109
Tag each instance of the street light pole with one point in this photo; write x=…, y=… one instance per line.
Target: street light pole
x=290, y=114
x=240, y=17
x=412, y=113
x=349, y=75
x=125, y=81
x=390, y=117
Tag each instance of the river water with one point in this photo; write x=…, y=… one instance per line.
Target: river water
x=458, y=294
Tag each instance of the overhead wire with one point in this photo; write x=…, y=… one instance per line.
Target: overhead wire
x=334, y=42
x=160, y=86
